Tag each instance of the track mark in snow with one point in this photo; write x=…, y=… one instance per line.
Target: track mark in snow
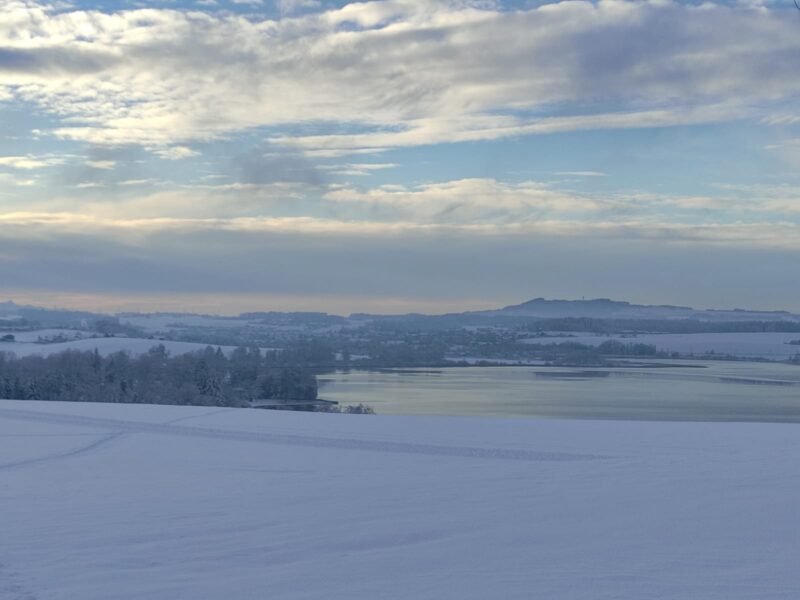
x=10, y=589
x=46, y=435
x=293, y=439
x=88, y=447
x=65, y=454
x=205, y=414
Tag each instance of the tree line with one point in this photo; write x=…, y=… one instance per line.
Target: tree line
x=204, y=378
x=609, y=326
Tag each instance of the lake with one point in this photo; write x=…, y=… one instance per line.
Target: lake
x=667, y=390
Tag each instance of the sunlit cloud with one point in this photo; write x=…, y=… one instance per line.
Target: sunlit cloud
x=160, y=77
x=756, y=234
x=294, y=141
x=29, y=163
x=176, y=152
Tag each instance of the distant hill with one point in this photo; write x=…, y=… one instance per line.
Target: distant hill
x=10, y=311
x=603, y=308
x=538, y=308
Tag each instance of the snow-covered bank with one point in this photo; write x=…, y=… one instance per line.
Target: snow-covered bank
x=131, y=502
x=770, y=345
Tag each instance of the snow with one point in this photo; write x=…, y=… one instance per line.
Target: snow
x=105, y=346
x=771, y=345
x=477, y=360
x=167, y=322
x=103, y=501
x=33, y=336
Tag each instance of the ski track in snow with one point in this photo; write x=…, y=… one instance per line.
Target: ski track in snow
x=170, y=428
x=66, y=454
x=91, y=446
x=10, y=589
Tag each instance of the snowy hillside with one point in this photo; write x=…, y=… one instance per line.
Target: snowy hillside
x=103, y=345
x=602, y=308
x=118, y=502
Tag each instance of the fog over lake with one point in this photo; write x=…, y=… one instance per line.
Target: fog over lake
x=667, y=390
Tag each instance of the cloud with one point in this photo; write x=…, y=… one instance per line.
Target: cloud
x=463, y=201
x=581, y=173
x=102, y=167
x=101, y=164
x=263, y=186
x=273, y=105
x=52, y=62
x=490, y=201
x=139, y=182
x=396, y=73
x=9, y=179
x=357, y=169
x=29, y=163
x=328, y=258
x=287, y=7
x=782, y=199
x=787, y=150
x=752, y=235
x=481, y=128
x=176, y=152
x=261, y=165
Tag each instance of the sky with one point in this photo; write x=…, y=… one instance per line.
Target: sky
x=398, y=155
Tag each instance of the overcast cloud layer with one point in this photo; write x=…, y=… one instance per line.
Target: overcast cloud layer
x=400, y=149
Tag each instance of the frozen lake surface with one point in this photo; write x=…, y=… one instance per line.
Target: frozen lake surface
x=676, y=390
x=133, y=502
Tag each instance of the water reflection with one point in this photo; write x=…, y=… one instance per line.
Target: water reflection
x=663, y=390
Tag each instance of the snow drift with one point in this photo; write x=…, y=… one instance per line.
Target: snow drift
x=160, y=502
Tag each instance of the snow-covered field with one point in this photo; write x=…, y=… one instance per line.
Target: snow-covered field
x=164, y=323
x=104, y=345
x=111, y=502
x=769, y=345
x=47, y=334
